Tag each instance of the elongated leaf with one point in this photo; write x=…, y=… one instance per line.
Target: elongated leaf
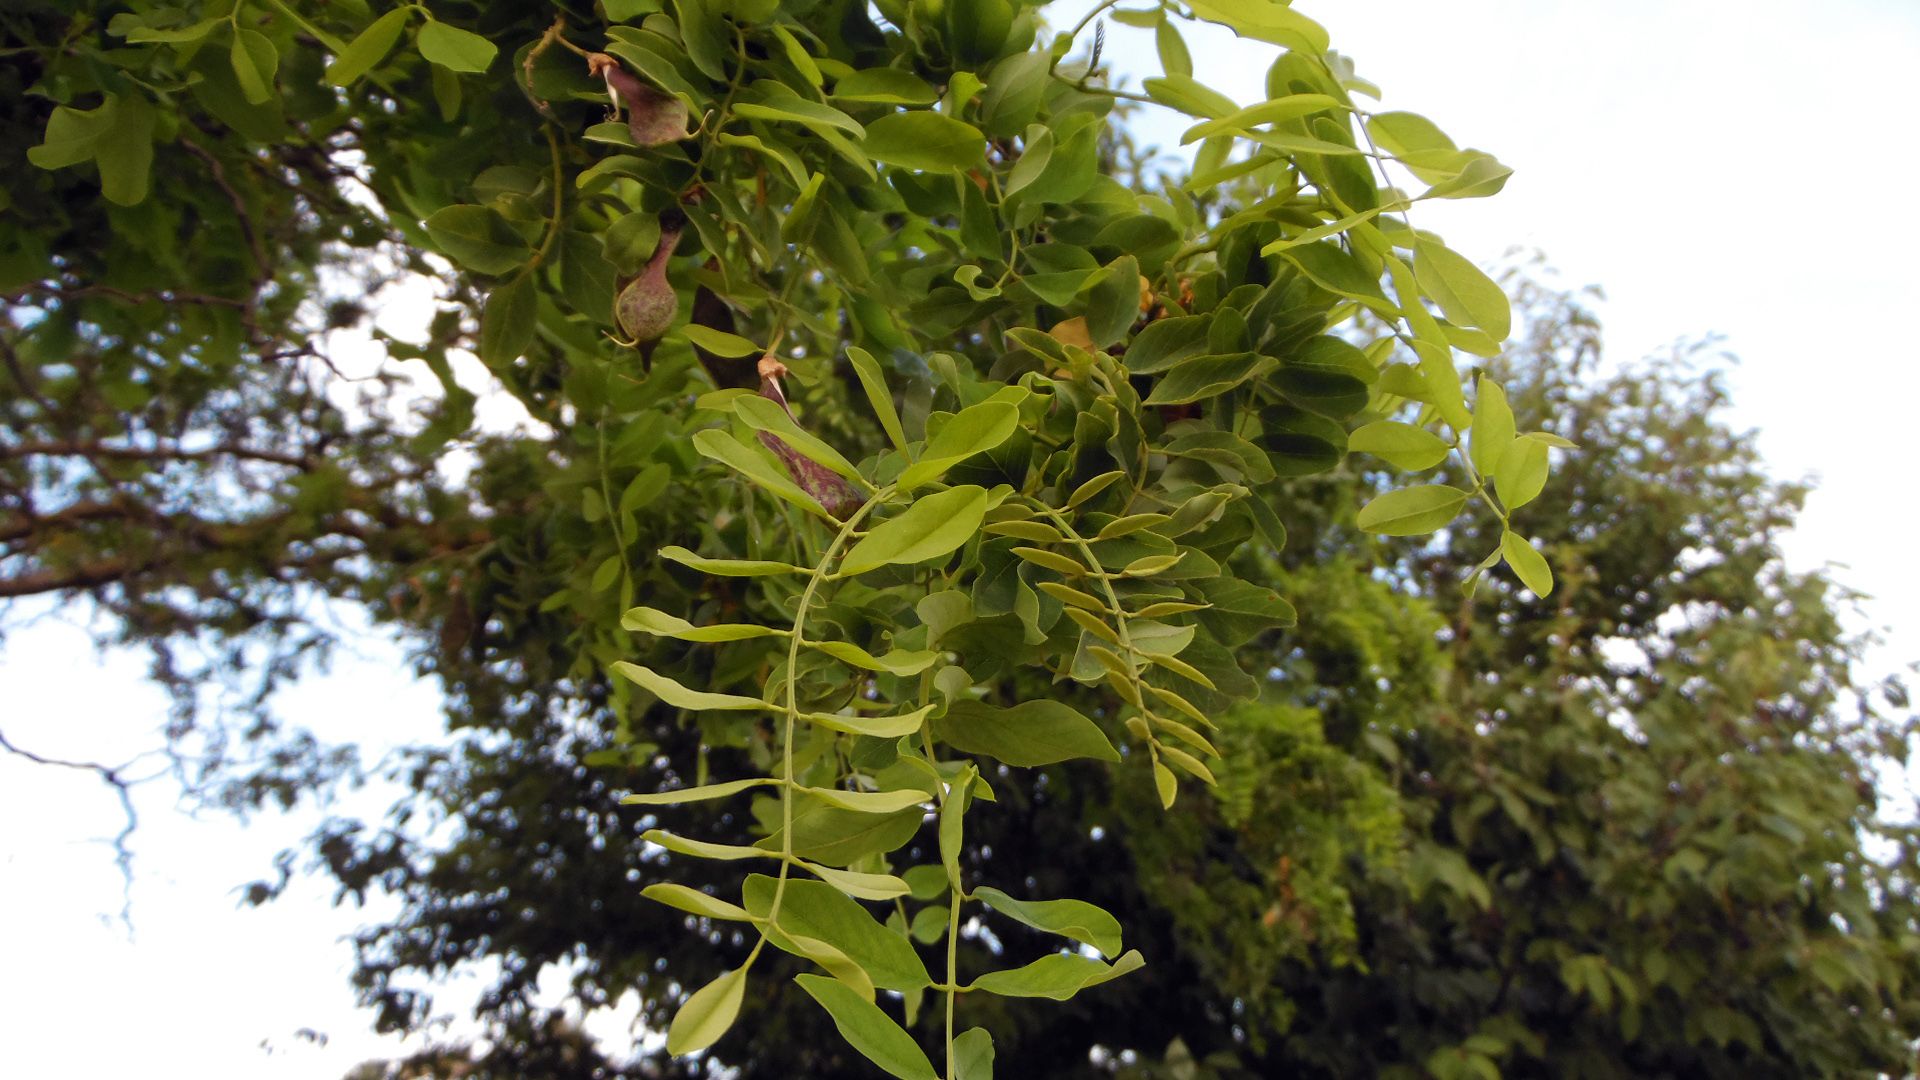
x=701, y=849
x=823, y=119
x=729, y=567
x=707, y=1014
x=455, y=49
x=974, y=430
x=1412, y=511
x=255, y=62
x=507, y=322
x=869, y=1030
x=1205, y=377
x=1076, y=919
x=1522, y=472
x=648, y=620
x=694, y=902
x=1030, y=734
x=895, y=662
x=1404, y=445
x=927, y=141
x=973, y=1055
x=875, y=384
x=826, y=833
x=369, y=48
x=932, y=527
x=478, y=238
x=881, y=887
x=697, y=794
x=679, y=696
x=719, y=342
x=817, y=909
x=1466, y=294
x=1492, y=427
x=882, y=727
x=1058, y=977
x=1528, y=564
x=1264, y=20
x=868, y=802
x=1267, y=112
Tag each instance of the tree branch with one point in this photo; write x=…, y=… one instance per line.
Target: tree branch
x=109, y=775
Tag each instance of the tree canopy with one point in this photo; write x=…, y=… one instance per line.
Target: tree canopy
x=917, y=487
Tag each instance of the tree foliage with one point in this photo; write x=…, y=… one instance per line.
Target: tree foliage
x=899, y=446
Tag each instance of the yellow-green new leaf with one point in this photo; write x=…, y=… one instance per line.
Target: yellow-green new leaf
x=646, y=620
x=1412, y=511
x=697, y=794
x=1492, y=426
x=869, y=1030
x=878, y=396
x=719, y=342
x=701, y=849
x=931, y=528
x=1076, y=919
x=729, y=567
x=974, y=430
x=860, y=886
x=1528, y=564
x=707, y=1014
x=681, y=697
x=1267, y=112
x=1465, y=293
x=694, y=902
x=895, y=662
x=1522, y=472
x=869, y=802
x=1058, y=977
x=880, y=727
x=1403, y=445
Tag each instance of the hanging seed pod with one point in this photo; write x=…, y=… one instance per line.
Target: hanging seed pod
x=646, y=304
x=654, y=118
x=827, y=487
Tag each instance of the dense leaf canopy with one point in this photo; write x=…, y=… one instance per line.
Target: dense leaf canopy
x=881, y=612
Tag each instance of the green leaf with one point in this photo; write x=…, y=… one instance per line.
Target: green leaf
x=1175, y=58
x=124, y=153
x=1412, y=511
x=902, y=662
x=973, y=1055
x=830, y=834
x=1522, y=472
x=878, y=396
x=1466, y=294
x=721, y=446
x=507, y=322
x=708, y=41
x=1265, y=20
x=1058, y=977
x=455, y=49
x=880, y=887
x=1528, y=564
x=1405, y=445
x=868, y=1030
x=889, y=86
x=974, y=430
x=1076, y=919
x=708, y=1013
x=719, y=342
x=1492, y=426
x=868, y=802
x=1028, y=735
x=369, y=48
x=796, y=110
x=1207, y=377
x=931, y=528
x=1184, y=93
x=881, y=727
x=817, y=909
x=255, y=61
x=694, y=902
x=141, y=35
x=648, y=620
x=702, y=793
x=1267, y=112
x=729, y=567
x=927, y=141
x=478, y=238
x=701, y=849
x=681, y=697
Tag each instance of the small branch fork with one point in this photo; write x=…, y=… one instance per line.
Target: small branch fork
x=111, y=775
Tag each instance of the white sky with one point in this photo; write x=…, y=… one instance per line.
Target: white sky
x=1713, y=165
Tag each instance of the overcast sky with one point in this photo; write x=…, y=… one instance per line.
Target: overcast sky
x=1714, y=166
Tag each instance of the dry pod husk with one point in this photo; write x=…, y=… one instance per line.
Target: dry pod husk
x=654, y=118
x=827, y=487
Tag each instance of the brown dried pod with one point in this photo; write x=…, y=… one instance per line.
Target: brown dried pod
x=827, y=487
x=654, y=118
x=647, y=303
